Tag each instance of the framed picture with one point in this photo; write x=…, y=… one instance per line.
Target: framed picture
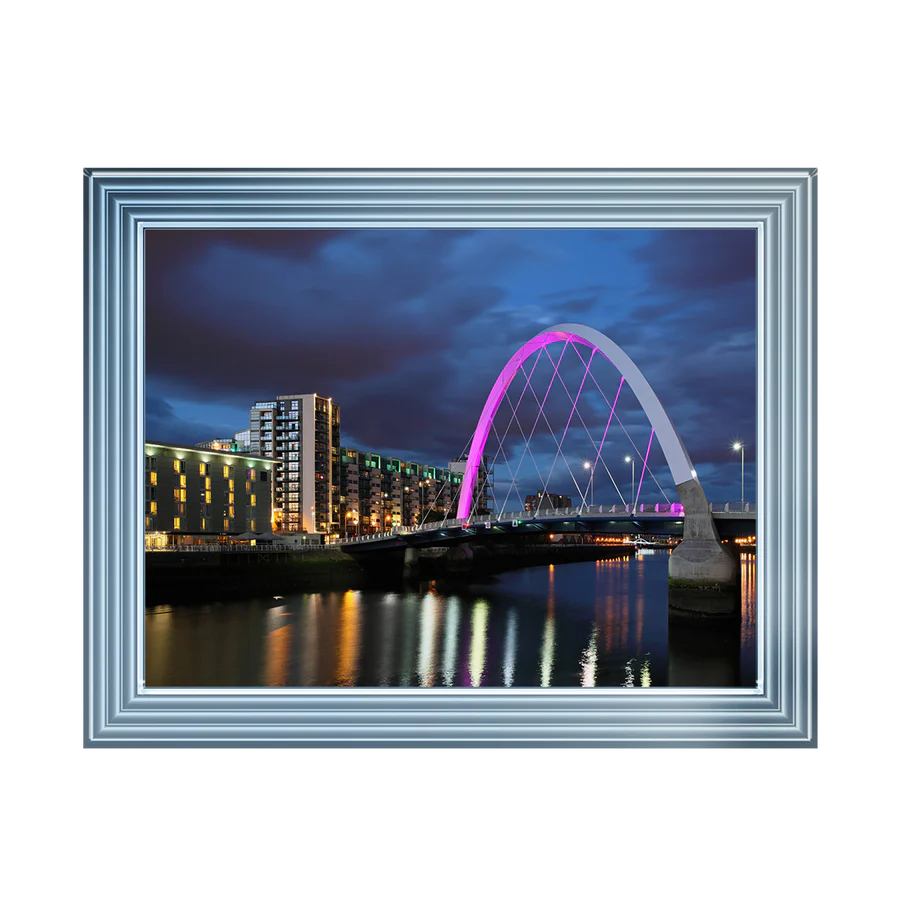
x=126, y=204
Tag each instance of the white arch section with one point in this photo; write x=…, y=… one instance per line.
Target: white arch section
x=673, y=449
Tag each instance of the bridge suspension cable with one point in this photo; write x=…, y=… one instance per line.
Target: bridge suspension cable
x=473, y=488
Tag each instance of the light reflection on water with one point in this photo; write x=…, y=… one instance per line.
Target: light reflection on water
x=594, y=624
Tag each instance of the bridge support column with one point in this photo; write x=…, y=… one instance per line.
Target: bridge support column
x=410, y=562
x=702, y=573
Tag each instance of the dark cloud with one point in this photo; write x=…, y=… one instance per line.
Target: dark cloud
x=685, y=259
x=408, y=330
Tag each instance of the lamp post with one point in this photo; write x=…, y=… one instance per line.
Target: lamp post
x=737, y=445
x=590, y=468
x=348, y=517
x=631, y=460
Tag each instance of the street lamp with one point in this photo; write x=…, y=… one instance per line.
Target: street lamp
x=347, y=525
x=737, y=445
x=590, y=468
x=631, y=460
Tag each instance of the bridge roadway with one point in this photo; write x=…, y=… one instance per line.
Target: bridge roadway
x=732, y=520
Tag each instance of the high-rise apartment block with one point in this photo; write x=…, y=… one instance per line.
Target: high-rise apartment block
x=547, y=501
x=303, y=433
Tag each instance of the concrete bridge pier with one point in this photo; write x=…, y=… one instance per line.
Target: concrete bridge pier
x=410, y=563
x=703, y=575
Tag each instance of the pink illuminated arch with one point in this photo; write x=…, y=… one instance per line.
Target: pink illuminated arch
x=676, y=456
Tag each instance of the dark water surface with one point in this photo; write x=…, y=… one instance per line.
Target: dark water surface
x=589, y=624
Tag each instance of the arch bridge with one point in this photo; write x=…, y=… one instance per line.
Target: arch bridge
x=698, y=560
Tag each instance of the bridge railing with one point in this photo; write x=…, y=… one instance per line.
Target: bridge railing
x=243, y=548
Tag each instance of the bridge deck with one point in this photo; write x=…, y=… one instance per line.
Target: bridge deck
x=659, y=519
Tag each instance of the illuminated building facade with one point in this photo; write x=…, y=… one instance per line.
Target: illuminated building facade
x=192, y=494
x=303, y=433
x=380, y=492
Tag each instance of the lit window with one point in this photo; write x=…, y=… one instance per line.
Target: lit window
x=247, y=486
x=209, y=484
x=177, y=466
x=231, y=485
x=176, y=493
x=225, y=525
x=152, y=507
x=153, y=478
x=203, y=524
x=252, y=500
x=253, y=525
x=183, y=480
x=253, y=474
x=207, y=497
x=203, y=468
x=231, y=497
x=230, y=512
x=226, y=471
x=176, y=524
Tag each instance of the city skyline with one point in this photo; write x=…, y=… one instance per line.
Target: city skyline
x=408, y=329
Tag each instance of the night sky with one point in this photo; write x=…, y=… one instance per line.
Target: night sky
x=408, y=329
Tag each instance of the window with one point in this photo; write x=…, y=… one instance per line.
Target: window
x=152, y=507
x=253, y=499
x=263, y=476
x=153, y=478
x=252, y=525
x=247, y=486
x=251, y=474
x=230, y=512
x=225, y=525
x=178, y=466
x=208, y=485
x=182, y=480
x=150, y=463
x=203, y=525
x=203, y=468
x=231, y=497
x=226, y=471
x=231, y=484
x=176, y=524
x=207, y=496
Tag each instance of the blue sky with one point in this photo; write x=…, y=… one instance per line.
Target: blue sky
x=408, y=329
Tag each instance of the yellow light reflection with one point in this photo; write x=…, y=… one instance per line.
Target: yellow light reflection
x=589, y=661
x=428, y=628
x=478, y=647
x=277, y=650
x=348, y=640
x=548, y=644
x=645, y=672
x=509, y=649
x=451, y=641
x=387, y=641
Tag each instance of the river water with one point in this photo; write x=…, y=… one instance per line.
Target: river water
x=591, y=624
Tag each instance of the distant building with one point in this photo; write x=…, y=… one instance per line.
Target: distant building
x=192, y=494
x=546, y=501
x=303, y=433
x=227, y=445
x=242, y=440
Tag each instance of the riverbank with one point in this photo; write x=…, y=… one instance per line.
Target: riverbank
x=184, y=577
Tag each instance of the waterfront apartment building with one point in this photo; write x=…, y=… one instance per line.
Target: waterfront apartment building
x=192, y=494
x=547, y=501
x=302, y=432
x=380, y=492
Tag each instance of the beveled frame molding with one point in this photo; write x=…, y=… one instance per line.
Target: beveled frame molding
x=120, y=712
